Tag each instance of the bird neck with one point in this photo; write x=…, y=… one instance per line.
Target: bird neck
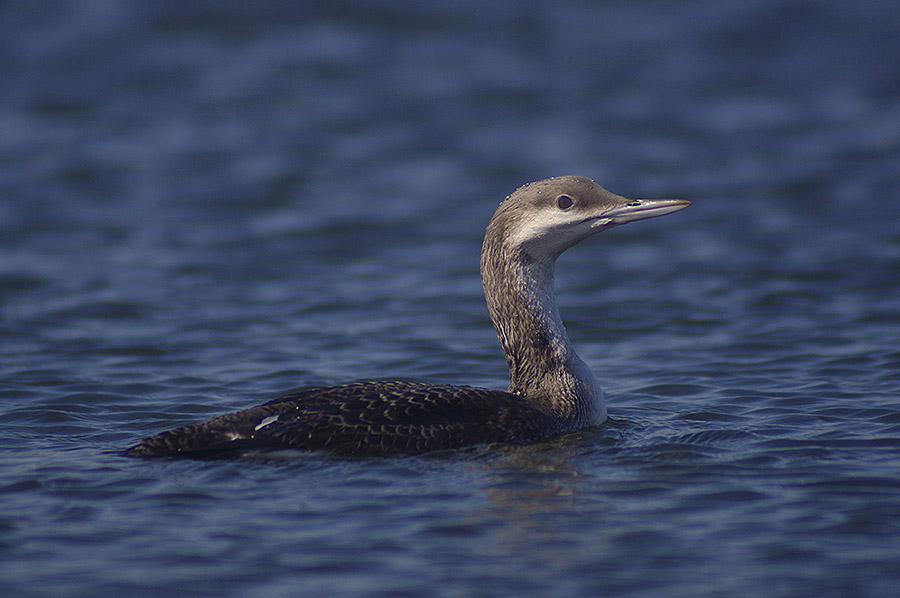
x=543, y=365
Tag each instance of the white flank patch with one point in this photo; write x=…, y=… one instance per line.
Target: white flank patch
x=269, y=420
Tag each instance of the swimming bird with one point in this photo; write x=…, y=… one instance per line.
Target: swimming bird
x=551, y=390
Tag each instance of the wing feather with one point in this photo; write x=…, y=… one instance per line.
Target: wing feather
x=364, y=419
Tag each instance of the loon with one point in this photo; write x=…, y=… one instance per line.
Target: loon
x=551, y=390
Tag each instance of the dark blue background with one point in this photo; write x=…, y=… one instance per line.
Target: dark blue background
x=205, y=204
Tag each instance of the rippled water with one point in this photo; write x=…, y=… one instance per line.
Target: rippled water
x=201, y=208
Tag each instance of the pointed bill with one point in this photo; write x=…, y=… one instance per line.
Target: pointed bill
x=640, y=209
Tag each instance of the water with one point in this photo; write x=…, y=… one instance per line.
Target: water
x=203, y=207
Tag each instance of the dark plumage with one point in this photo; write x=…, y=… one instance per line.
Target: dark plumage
x=363, y=419
x=551, y=390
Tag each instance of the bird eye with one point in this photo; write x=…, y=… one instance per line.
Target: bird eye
x=564, y=202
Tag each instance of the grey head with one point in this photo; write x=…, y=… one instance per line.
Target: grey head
x=543, y=219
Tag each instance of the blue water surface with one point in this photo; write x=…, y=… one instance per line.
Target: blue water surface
x=204, y=204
